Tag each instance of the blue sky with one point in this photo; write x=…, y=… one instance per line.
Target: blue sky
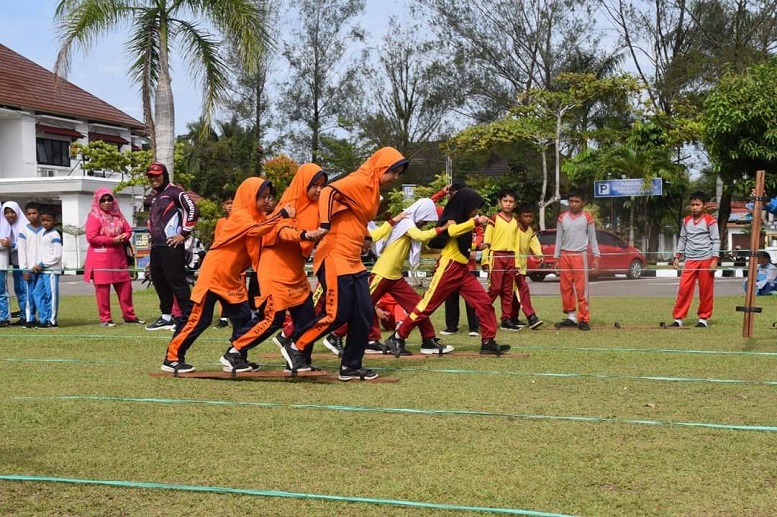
x=28, y=29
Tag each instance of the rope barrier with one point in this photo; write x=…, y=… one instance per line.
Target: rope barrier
x=278, y=493
x=413, y=411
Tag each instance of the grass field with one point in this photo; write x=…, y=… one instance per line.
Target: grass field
x=608, y=422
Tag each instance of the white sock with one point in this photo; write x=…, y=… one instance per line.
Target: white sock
x=167, y=317
x=233, y=350
x=294, y=347
x=572, y=316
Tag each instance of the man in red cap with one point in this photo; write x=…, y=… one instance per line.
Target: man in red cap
x=173, y=216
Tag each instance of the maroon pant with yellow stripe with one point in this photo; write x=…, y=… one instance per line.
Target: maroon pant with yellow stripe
x=448, y=277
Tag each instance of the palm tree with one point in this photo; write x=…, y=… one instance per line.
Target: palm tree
x=155, y=25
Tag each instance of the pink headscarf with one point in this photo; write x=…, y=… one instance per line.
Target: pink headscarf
x=111, y=222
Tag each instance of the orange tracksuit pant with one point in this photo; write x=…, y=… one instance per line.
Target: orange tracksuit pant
x=695, y=270
x=573, y=267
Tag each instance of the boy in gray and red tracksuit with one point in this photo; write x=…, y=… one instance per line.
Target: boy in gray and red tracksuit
x=699, y=243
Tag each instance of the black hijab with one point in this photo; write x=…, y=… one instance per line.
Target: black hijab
x=458, y=209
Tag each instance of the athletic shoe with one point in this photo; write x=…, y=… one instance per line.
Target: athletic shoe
x=280, y=340
x=294, y=358
x=162, y=324
x=518, y=323
x=136, y=321
x=30, y=324
x=473, y=333
x=177, y=367
x=449, y=331
x=18, y=323
x=234, y=362
x=396, y=346
x=676, y=324
x=567, y=323
x=222, y=323
x=46, y=325
x=491, y=347
x=583, y=325
x=255, y=367
x=16, y=314
x=432, y=346
x=334, y=344
x=5, y=323
x=701, y=325
x=535, y=322
x=374, y=347
x=108, y=323
x=347, y=374
x=509, y=325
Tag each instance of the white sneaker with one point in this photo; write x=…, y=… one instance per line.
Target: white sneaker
x=473, y=334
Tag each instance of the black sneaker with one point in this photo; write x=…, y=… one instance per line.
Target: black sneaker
x=334, y=344
x=491, y=347
x=234, y=362
x=675, y=324
x=177, y=367
x=294, y=358
x=567, y=323
x=518, y=323
x=433, y=346
x=396, y=346
x=374, y=347
x=46, y=325
x=583, y=325
x=534, y=322
x=449, y=331
x=136, y=321
x=18, y=323
x=362, y=374
x=5, y=323
x=108, y=323
x=255, y=367
x=30, y=324
x=280, y=340
x=701, y=325
x=16, y=314
x=509, y=325
x=222, y=323
x=162, y=324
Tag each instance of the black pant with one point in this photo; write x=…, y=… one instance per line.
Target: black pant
x=353, y=306
x=200, y=319
x=300, y=315
x=452, y=311
x=168, y=272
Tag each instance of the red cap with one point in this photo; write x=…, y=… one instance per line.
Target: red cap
x=155, y=169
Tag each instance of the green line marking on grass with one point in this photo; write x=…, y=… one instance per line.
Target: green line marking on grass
x=277, y=493
x=599, y=376
x=420, y=411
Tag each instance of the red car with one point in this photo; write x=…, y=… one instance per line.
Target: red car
x=617, y=257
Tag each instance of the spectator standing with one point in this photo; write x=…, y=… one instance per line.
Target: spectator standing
x=173, y=217
x=108, y=233
x=13, y=215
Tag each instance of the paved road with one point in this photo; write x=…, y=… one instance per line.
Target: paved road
x=604, y=287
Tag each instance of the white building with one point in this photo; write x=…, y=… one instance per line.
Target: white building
x=40, y=118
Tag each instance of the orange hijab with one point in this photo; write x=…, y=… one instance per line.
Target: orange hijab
x=296, y=195
x=244, y=216
x=361, y=189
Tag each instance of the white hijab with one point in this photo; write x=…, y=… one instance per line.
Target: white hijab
x=8, y=231
x=422, y=210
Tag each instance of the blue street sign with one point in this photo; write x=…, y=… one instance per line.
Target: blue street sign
x=628, y=188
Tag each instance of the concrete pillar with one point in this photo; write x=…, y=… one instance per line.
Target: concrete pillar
x=75, y=209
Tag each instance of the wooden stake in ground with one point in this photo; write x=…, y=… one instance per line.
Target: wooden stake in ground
x=755, y=244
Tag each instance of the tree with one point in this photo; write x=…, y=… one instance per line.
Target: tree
x=740, y=128
x=500, y=49
x=155, y=27
x=321, y=85
x=409, y=94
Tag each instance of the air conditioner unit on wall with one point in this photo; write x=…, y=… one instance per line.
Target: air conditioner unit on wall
x=47, y=173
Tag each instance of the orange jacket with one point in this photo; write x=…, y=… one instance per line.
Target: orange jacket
x=282, y=265
x=237, y=246
x=346, y=206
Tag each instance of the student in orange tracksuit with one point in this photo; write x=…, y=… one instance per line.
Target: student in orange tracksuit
x=281, y=271
x=575, y=231
x=459, y=218
x=499, y=256
x=345, y=208
x=237, y=247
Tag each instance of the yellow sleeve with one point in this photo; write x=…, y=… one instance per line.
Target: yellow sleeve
x=381, y=232
x=535, y=246
x=487, y=238
x=457, y=230
x=422, y=235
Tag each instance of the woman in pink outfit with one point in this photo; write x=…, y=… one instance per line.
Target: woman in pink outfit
x=107, y=232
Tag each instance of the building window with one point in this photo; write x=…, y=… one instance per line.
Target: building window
x=53, y=152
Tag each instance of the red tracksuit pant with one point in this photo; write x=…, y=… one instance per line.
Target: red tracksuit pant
x=501, y=282
x=693, y=270
x=573, y=267
x=448, y=277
